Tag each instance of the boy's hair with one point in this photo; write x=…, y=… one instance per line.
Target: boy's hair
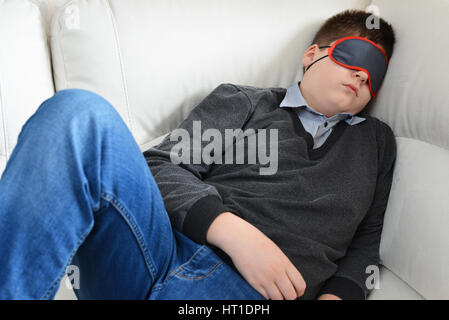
x=354, y=23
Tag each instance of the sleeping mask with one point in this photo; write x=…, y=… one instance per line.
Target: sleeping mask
x=360, y=54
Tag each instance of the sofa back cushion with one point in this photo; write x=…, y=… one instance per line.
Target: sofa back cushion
x=25, y=71
x=414, y=102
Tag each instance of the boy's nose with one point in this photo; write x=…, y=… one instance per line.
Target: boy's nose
x=361, y=75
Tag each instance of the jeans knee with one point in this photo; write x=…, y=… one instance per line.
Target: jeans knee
x=72, y=114
x=65, y=105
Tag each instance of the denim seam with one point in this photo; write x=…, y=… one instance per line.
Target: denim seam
x=61, y=275
x=175, y=271
x=202, y=276
x=133, y=226
x=178, y=270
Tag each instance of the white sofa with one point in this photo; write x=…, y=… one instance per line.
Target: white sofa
x=154, y=60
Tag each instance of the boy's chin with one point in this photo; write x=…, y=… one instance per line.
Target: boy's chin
x=340, y=108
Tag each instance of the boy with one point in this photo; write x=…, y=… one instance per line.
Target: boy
x=309, y=229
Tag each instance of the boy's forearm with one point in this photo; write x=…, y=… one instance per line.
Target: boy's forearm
x=220, y=231
x=229, y=232
x=257, y=258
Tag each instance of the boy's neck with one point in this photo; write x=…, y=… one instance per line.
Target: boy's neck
x=310, y=106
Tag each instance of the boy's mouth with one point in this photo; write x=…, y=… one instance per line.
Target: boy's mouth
x=352, y=88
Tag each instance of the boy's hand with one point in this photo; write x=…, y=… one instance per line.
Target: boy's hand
x=258, y=259
x=328, y=296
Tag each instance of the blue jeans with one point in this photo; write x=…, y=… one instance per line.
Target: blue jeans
x=78, y=191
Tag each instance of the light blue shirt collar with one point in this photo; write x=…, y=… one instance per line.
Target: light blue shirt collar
x=294, y=98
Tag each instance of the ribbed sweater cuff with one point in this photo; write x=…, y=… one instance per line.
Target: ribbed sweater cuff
x=343, y=288
x=200, y=217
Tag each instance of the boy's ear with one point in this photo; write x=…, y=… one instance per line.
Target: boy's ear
x=309, y=55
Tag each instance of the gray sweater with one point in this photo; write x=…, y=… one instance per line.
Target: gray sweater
x=323, y=207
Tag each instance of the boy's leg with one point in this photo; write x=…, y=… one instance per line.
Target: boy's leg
x=77, y=182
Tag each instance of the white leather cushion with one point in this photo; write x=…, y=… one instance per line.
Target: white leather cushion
x=391, y=287
x=2, y=163
x=413, y=98
x=414, y=102
x=415, y=242
x=152, y=143
x=25, y=72
x=65, y=291
x=155, y=60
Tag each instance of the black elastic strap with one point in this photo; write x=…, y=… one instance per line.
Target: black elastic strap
x=315, y=62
